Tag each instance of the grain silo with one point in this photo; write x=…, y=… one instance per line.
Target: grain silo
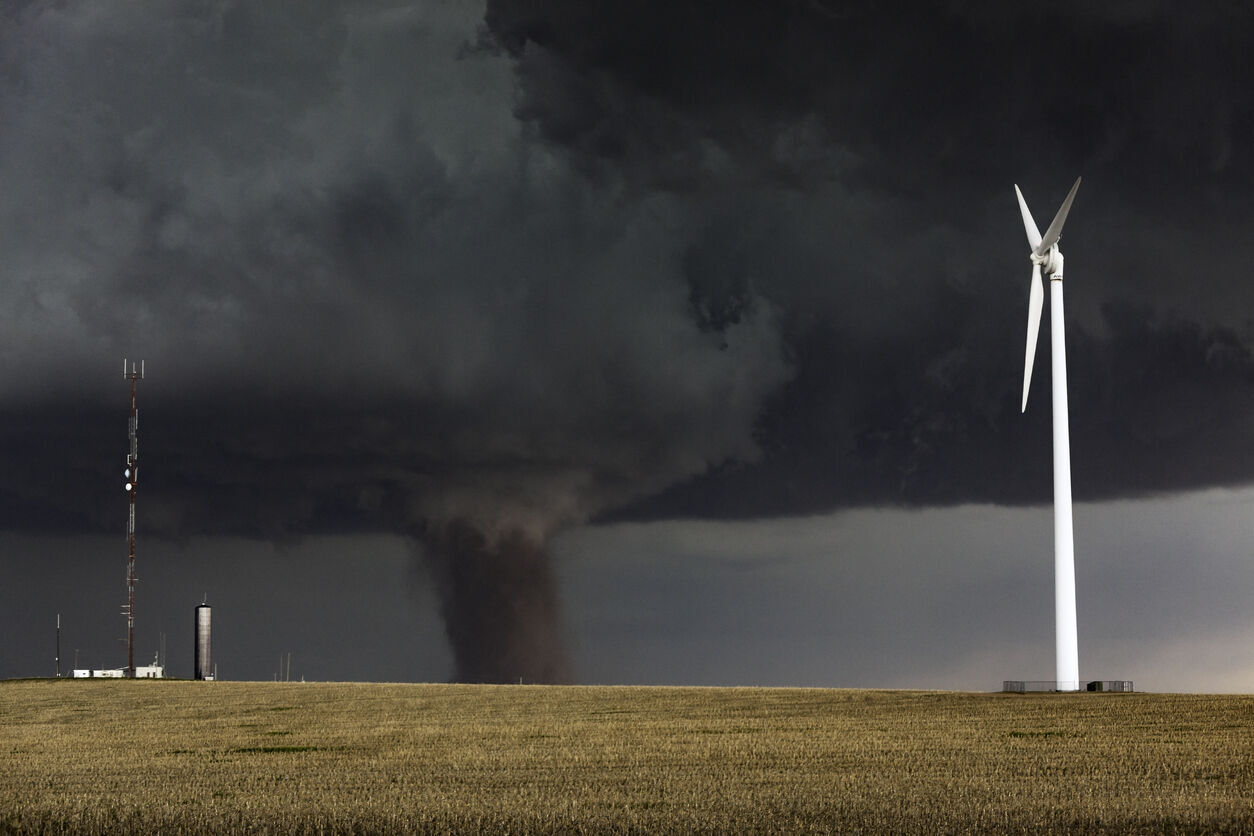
x=204, y=620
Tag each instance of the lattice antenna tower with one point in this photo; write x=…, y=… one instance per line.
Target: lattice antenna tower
x=134, y=373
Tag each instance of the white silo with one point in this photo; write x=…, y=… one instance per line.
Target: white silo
x=203, y=669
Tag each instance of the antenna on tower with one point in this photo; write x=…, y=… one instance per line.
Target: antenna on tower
x=131, y=475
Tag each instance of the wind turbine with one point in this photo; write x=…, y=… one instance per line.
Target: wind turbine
x=1046, y=256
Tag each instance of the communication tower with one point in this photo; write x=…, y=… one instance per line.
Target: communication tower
x=134, y=373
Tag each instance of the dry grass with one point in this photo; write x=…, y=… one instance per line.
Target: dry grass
x=108, y=756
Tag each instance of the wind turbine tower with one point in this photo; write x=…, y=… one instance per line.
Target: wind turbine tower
x=1046, y=257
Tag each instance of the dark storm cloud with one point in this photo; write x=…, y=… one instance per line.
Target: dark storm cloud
x=469, y=254
x=946, y=86
x=477, y=276
x=333, y=240
x=896, y=138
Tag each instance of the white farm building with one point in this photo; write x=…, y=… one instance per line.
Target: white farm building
x=153, y=671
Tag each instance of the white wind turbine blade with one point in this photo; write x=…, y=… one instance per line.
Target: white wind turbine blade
x=1055, y=229
x=1029, y=225
x=1036, y=300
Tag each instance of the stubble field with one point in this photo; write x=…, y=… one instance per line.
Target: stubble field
x=182, y=757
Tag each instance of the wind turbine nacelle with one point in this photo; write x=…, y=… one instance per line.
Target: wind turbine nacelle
x=1051, y=262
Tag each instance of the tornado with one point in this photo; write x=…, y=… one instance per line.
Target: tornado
x=500, y=604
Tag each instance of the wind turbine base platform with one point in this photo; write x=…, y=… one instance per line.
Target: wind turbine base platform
x=1033, y=686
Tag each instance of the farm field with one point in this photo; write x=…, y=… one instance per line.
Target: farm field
x=97, y=756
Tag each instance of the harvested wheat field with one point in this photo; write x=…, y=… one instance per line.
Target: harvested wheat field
x=190, y=757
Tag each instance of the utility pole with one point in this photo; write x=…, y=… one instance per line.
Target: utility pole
x=131, y=473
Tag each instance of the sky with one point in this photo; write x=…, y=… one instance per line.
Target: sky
x=629, y=342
